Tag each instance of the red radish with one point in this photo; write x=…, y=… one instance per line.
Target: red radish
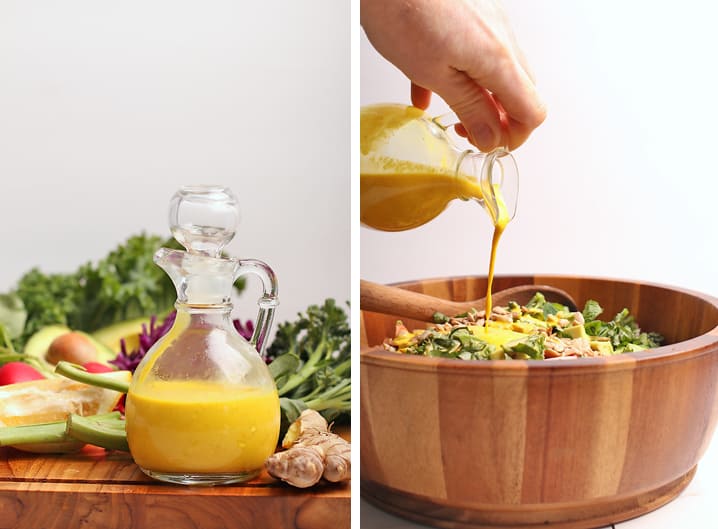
x=97, y=367
x=14, y=372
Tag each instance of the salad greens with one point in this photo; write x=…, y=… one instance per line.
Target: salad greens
x=622, y=331
x=539, y=330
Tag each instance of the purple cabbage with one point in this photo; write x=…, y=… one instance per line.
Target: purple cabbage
x=149, y=336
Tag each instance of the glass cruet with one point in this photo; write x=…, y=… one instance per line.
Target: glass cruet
x=410, y=169
x=202, y=408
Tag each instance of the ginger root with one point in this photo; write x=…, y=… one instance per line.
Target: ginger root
x=313, y=452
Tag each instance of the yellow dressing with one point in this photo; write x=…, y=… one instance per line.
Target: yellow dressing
x=495, y=335
x=201, y=427
x=411, y=196
x=500, y=222
x=378, y=122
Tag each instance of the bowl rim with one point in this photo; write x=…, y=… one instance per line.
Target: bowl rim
x=706, y=343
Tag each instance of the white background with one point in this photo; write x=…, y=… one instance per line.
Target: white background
x=620, y=181
x=106, y=108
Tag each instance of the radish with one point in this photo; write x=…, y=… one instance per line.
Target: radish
x=14, y=372
x=97, y=367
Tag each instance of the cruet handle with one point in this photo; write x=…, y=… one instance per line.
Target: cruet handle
x=267, y=303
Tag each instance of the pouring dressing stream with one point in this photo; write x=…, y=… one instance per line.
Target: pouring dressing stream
x=410, y=171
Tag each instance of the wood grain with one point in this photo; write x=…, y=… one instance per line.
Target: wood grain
x=578, y=443
x=97, y=489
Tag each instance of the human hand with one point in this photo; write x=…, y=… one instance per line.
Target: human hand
x=465, y=51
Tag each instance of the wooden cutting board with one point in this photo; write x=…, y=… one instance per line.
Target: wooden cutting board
x=106, y=490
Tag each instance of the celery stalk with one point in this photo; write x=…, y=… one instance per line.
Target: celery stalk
x=80, y=374
x=52, y=432
x=105, y=432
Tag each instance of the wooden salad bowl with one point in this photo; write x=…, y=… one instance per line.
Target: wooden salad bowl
x=576, y=443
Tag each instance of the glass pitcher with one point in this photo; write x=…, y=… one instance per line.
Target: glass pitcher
x=202, y=408
x=410, y=170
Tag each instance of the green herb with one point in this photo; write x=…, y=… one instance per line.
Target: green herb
x=312, y=363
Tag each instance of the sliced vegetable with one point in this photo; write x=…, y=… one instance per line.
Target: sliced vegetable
x=52, y=400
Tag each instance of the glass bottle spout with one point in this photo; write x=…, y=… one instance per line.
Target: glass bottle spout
x=498, y=179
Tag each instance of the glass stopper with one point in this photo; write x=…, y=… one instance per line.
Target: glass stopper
x=204, y=218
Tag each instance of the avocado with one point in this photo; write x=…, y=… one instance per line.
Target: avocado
x=111, y=335
x=575, y=331
x=603, y=347
x=104, y=353
x=39, y=343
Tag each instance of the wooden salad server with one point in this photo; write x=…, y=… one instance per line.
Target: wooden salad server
x=407, y=304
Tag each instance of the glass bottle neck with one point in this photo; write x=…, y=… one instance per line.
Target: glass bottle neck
x=203, y=316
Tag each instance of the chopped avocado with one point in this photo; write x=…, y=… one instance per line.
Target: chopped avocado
x=632, y=348
x=111, y=335
x=39, y=343
x=575, y=331
x=603, y=347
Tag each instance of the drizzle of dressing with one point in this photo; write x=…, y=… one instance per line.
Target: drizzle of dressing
x=500, y=222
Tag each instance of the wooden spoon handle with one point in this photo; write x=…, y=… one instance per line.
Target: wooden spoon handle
x=405, y=303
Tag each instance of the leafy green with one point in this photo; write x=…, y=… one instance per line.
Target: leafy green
x=624, y=333
x=538, y=305
x=531, y=347
x=312, y=363
x=440, y=317
x=459, y=343
x=126, y=284
x=591, y=310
